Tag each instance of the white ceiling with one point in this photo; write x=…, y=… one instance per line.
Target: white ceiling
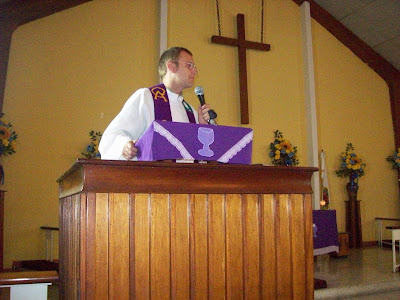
x=376, y=22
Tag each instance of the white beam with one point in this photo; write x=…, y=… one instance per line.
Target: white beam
x=163, y=25
x=309, y=88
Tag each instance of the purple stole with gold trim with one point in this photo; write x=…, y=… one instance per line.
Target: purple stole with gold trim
x=162, y=110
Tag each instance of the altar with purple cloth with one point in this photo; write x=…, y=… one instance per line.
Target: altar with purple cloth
x=325, y=233
x=165, y=140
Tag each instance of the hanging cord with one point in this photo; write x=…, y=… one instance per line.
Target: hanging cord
x=262, y=21
x=219, y=20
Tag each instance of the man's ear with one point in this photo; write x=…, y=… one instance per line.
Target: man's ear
x=172, y=66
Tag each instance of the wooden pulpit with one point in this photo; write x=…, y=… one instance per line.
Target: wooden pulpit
x=160, y=230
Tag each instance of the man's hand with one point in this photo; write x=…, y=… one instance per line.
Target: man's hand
x=203, y=114
x=130, y=150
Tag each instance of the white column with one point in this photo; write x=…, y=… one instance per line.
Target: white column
x=163, y=25
x=309, y=88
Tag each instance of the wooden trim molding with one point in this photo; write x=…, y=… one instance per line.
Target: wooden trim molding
x=104, y=175
x=28, y=277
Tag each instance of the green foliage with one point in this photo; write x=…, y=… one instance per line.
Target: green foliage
x=7, y=137
x=282, y=152
x=395, y=159
x=92, y=150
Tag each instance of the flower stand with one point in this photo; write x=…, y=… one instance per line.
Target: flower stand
x=353, y=223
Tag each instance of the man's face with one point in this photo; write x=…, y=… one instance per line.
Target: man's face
x=186, y=70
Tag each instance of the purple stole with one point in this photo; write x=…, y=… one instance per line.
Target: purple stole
x=162, y=110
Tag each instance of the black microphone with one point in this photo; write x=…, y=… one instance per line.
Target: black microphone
x=199, y=91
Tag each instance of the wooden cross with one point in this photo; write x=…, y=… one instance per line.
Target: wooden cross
x=242, y=45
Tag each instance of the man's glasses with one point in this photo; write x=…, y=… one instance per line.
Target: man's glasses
x=191, y=66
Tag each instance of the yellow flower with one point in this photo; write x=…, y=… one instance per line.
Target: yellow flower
x=344, y=154
x=348, y=166
x=286, y=145
x=4, y=132
x=277, y=152
x=277, y=156
x=5, y=142
x=13, y=144
x=348, y=161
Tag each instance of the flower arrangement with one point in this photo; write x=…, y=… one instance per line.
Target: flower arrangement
x=351, y=163
x=92, y=150
x=395, y=159
x=282, y=152
x=7, y=137
x=351, y=166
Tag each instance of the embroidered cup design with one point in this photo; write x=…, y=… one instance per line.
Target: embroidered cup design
x=206, y=137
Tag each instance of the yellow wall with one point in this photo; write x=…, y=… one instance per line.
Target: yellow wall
x=72, y=72
x=354, y=106
x=68, y=74
x=275, y=82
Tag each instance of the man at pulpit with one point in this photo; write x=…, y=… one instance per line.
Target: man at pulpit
x=160, y=102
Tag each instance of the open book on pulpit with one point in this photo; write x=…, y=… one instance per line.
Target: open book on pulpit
x=173, y=140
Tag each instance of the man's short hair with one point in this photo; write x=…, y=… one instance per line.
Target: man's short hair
x=170, y=54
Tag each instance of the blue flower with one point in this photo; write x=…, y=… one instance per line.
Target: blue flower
x=90, y=148
x=282, y=152
x=288, y=162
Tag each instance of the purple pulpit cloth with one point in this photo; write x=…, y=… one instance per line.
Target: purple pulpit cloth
x=173, y=140
x=325, y=234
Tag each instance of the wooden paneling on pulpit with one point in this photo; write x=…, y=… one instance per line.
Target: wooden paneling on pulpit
x=141, y=230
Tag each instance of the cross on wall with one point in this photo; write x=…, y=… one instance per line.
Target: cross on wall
x=242, y=45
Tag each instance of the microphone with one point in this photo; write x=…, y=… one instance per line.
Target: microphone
x=199, y=91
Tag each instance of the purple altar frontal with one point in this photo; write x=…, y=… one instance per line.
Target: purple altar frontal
x=165, y=140
x=325, y=233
